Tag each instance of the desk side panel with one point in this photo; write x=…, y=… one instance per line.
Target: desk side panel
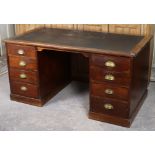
x=54, y=72
x=140, y=79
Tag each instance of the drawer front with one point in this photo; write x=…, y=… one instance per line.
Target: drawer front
x=111, y=63
x=20, y=50
x=109, y=91
x=109, y=107
x=24, y=89
x=22, y=63
x=100, y=74
x=23, y=76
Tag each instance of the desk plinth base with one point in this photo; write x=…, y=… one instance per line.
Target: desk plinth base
x=125, y=122
x=110, y=119
x=92, y=115
x=27, y=100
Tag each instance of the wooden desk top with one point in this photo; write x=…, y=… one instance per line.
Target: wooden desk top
x=97, y=42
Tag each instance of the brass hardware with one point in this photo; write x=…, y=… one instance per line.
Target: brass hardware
x=21, y=52
x=23, y=88
x=109, y=91
x=22, y=63
x=110, y=64
x=23, y=76
x=109, y=77
x=108, y=106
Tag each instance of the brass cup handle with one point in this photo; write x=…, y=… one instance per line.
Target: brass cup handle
x=22, y=63
x=20, y=52
x=23, y=88
x=23, y=76
x=108, y=106
x=109, y=91
x=110, y=64
x=109, y=77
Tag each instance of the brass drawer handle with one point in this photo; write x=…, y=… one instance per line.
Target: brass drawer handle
x=23, y=88
x=22, y=63
x=110, y=64
x=108, y=106
x=109, y=91
x=109, y=77
x=20, y=52
x=23, y=76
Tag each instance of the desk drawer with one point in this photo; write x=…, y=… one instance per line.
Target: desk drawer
x=111, y=63
x=109, y=91
x=109, y=107
x=21, y=50
x=23, y=76
x=24, y=89
x=100, y=74
x=22, y=63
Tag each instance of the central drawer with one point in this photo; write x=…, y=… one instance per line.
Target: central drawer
x=109, y=91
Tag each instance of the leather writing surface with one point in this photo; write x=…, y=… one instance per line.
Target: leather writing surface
x=82, y=39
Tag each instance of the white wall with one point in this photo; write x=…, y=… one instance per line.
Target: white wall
x=6, y=31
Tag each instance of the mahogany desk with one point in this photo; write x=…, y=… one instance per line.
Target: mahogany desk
x=44, y=61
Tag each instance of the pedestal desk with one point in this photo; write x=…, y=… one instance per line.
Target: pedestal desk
x=40, y=64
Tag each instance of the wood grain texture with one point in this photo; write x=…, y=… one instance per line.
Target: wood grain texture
x=22, y=28
x=31, y=77
x=119, y=93
x=54, y=72
x=120, y=109
x=122, y=64
x=99, y=74
x=146, y=29
x=28, y=51
x=140, y=79
x=31, y=64
x=134, y=29
x=61, y=26
x=32, y=90
x=83, y=27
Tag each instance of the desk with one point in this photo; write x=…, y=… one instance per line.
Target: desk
x=43, y=61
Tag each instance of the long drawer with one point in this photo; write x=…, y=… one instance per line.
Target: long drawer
x=109, y=91
x=109, y=107
x=23, y=76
